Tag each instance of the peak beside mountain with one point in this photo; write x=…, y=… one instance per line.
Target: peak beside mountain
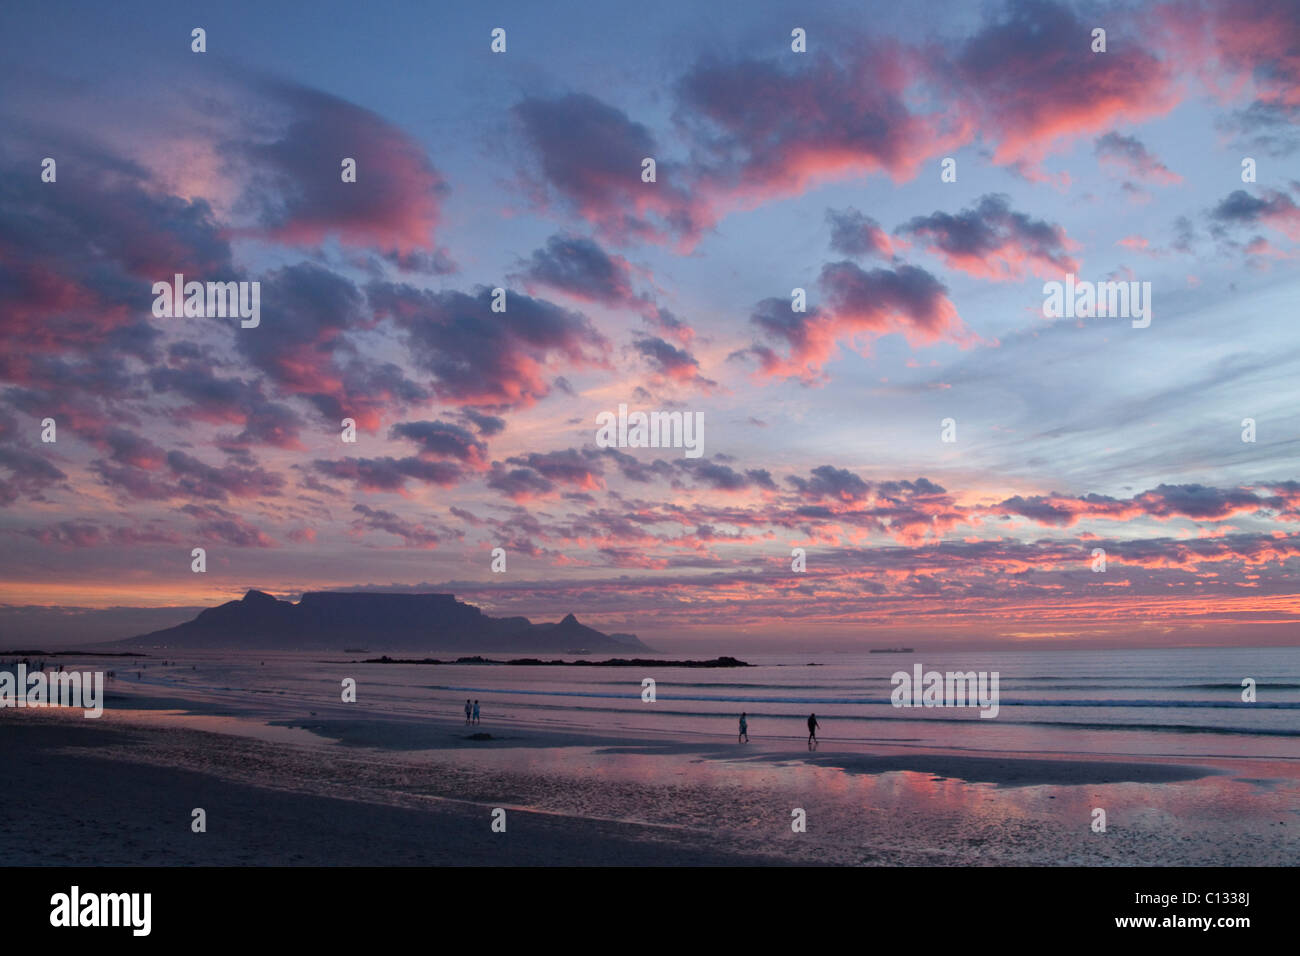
x=374, y=620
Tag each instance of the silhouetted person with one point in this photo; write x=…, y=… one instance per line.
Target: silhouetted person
x=744, y=730
x=469, y=711
x=812, y=731
x=476, y=712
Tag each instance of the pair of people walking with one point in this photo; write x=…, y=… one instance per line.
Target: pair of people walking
x=471, y=712
x=743, y=736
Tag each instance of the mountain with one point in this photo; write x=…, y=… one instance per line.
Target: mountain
x=336, y=620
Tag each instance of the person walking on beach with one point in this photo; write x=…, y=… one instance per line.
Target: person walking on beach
x=476, y=712
x=812, y=731
x=468, y=710
x=744, y=729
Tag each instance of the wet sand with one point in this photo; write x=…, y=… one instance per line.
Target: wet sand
x=98, y=807
x=119, y=791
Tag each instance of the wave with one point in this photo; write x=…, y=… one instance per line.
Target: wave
x=757, y=719
x=1006, y=683
x=668, y=695
x=1230, y=704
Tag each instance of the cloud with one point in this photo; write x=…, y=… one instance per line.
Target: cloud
x=519, y=484
x=139, y=471
x=487, y=425
x=666, y=323
x=1032, y=83
x=197, y=479
x=308, y=350
x=135, y=450
x=587, y=155
x=719, y=476
x=389, y=474
x=1274, y=209
x=669, y=361
x=30, y=475
x=1129, y=154
x=860, y=307
x=443, y=440
x=294, y=182
x=857, y=236
x=1244, y=46
x=225, y=401
x=77, y=261
x=581, y=268
x=72, y=534
x=413, y=535
x=1164, y=502
x=485, y=358
x=992, y=241
x=569, y=467
x=827, y=481
x=217, y=524
x=765, y=130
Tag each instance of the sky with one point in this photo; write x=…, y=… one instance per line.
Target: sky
x=950, y=459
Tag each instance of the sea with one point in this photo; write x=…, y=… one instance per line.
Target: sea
x=1105, y=702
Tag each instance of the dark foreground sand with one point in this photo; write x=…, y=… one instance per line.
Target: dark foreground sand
x=71, y=807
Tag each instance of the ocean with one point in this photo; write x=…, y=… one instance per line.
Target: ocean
x=1174, y=702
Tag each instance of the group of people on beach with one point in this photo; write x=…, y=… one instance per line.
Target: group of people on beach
x=472, y=717
x=743, y=736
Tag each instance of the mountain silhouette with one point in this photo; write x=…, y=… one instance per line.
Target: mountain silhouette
x=374, y=620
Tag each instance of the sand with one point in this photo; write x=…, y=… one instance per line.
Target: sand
x=120, y=790
x=94, y=809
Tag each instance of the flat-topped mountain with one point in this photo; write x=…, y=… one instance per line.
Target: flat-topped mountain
x=366, y=619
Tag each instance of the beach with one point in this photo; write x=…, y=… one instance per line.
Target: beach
x=350, y=784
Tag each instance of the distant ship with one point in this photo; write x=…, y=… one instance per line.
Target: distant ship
x=356, y=650
x=579, y=650
x=890, y=650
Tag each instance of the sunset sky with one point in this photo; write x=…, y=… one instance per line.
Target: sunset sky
x=776, y=170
